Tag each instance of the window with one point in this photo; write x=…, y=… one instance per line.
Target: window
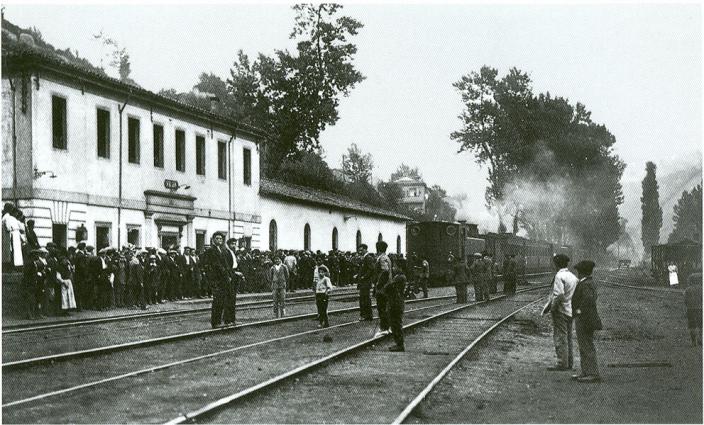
x=380, y=238
x=306, y=237
x=334, y=238
x=247, y=166
x=359, y=238
x=158, y=133
x=180, y=150
x=398, y=244
x=273, y=236
x=102, y=235
x=58, y=234
x=133, y=140
x=200, y=240
x=103, y=133
x=133, y=235
x=222, y=160
x=200, y=155
x=58, y=122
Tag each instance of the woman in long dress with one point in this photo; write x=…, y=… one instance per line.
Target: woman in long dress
x=13, y=227
x=672, y=270
x=64, y=273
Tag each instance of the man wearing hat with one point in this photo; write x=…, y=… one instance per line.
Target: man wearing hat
x=35, y=281
x=560, y=307
x=586, y=321
x=215, y=261
x=383, y=278
x=364, y=280
x=476, y=277
x=510, y=275
x=394, y=296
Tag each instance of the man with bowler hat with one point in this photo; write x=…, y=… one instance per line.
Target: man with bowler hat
x=586, y=321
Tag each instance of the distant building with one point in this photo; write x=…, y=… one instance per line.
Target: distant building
x=415, y=193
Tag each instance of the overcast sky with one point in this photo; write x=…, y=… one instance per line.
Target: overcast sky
x=637, y=68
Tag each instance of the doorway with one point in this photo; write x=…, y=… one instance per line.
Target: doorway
x=168, y=240
x=58, y=234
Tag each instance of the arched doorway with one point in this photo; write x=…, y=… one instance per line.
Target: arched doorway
x=380, y=238
x=359, y=238
x=306, y=237
x=334, y=238
x=398, y=244
x=273, y=236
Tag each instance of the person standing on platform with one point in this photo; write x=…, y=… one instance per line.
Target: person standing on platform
x=292, y=265
x=136, y=279
x=510, y=275
x=279, y=278
x=693, y=302
x=364, y=280
x=236, y=278
x=395, y=299
x=151, y=279
x=476, y=276
x=560, y=307
x=458, y=275
x=322, y=289
x=218, y=270
x=586, y=321
x=382, y=273
x=672, y=272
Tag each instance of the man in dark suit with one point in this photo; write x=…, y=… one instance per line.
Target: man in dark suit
x=365, y=280
x=216, y=263
x=586, y=321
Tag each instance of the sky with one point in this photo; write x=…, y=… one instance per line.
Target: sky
x=637, y=68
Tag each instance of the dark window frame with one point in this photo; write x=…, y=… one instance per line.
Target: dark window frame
x=103, y=134
x=59, y=137
x=247, y=166
x=133, y=140
x=200, y=155
x=180, y=147
x=158, y=145
x=222, y=160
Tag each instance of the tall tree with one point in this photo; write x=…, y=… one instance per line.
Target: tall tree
x=357, y=166
x=688, y=217
x=391, y=192
x=295, y=96
x=404, y=170
x=549, y=166
x=651, y=220
x=437, y=208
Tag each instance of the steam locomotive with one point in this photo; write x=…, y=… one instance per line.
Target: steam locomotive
x=437, y=240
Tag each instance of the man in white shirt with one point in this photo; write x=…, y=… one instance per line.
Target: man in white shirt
x=563, y=287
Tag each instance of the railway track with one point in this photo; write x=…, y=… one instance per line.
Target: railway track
x=345, y=383
x=248, y=305
x=19, y=363
x=240, y=352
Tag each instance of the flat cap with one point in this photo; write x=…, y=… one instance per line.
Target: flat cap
x=585, y=266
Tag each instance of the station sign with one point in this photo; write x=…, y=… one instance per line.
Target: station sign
x=171, y=184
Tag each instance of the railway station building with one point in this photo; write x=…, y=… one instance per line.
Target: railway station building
x=87, y=156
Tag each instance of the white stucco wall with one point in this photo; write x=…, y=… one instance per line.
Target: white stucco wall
x=291, y=219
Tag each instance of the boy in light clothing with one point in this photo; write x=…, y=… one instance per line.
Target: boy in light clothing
x=323, y=286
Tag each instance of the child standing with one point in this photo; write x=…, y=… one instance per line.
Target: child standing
x=322, y=289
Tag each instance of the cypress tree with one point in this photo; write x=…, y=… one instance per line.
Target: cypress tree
x=651, y=221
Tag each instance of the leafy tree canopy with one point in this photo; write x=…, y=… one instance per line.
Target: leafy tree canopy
x=357, y=166
x=651, y=220
x=404, y=170
x=688, y=217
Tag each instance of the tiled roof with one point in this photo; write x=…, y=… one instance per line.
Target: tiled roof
x=279, y=189
x=18, y=55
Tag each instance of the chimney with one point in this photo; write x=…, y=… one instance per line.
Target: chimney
x=214, y=100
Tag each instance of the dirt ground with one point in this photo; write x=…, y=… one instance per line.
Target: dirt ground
x=506, y=380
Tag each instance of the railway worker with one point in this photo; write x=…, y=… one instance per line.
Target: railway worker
x=279, y=277
x=560, y=307
x=382, y=273
x=216, y=260
x=365, y=281
x=424, y=275
x=458, y=276
x=395, y=297
x=478, y=278
x=586, y=321
x=510, y=275
x=693, y=302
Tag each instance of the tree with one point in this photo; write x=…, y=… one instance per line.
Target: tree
x=357, y=166
x=295, y=96
x=688, y=217
x=119, y=57
x=437, y=208
x=391, y=192
x=651, y=220
x=406, y=171
x=310, y=169
x=549, y=166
